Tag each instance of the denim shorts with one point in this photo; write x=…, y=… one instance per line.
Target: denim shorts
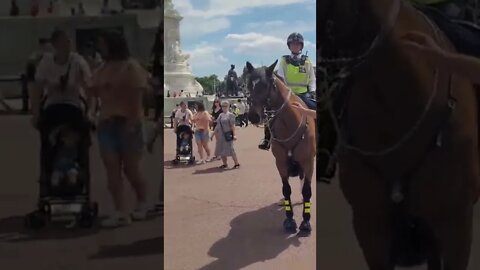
x=201, y=135
x=118, y=136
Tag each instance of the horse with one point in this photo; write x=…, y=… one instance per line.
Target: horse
x=408, y=152
x=293, y=135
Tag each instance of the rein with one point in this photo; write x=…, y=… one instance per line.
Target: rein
x=407, y=135
x=273, y=113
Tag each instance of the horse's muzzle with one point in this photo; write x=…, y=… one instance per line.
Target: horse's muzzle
x=254, y=118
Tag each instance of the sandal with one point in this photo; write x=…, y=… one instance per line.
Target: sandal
x=223, y=167
x=236, y=166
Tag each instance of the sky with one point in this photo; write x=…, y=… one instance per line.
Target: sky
x=217, y=33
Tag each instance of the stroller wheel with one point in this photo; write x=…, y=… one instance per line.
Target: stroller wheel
x=88, y=215
x=35, y=220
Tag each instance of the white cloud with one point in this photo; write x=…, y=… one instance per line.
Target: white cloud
x=281, y=28
x=194, y=27
x=254, y=43
x=229, y=8
x=206, y=56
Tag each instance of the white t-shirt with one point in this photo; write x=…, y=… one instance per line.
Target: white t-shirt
x=49, y=72
x=184, y=118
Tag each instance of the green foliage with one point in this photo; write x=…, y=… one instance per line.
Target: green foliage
x=208, y=83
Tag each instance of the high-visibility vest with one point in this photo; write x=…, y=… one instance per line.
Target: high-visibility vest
x=297, y=77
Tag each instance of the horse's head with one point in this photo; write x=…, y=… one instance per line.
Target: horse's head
x=260, y=84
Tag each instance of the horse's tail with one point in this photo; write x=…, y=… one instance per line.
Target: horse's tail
x=412, y=241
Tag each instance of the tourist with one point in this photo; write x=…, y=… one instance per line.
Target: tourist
x=216, y=111
x=202, y=120
x=44, y=47
x=183, y=116
x=225, y=136
x=172, y=116
x=120, y=85
x=242, y=112
x=60, y=80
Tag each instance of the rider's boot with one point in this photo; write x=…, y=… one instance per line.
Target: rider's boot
x=265, y=145
x=326, y=166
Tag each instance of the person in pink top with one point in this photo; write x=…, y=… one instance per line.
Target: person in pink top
x=202, y=120
x=120, y=84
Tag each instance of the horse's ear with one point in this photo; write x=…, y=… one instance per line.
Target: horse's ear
x=250, y=68
x=271, y=68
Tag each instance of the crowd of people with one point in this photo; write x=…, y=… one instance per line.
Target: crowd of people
x=218, y=124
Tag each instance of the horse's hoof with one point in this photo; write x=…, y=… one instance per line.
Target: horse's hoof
x=290, y=225
x=305, y=226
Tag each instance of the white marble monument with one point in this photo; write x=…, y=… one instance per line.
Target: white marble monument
x=178, y=73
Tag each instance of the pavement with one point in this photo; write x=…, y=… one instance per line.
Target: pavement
x=227, y=220
x=139, y=246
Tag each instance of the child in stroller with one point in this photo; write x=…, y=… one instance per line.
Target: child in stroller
x=65, y=165
x=184, y=145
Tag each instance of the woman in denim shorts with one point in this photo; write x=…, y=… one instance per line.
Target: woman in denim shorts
x=120, y=85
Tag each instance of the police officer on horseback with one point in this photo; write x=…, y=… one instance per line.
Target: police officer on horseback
x=298, y=73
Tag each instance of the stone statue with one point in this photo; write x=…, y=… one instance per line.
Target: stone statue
x=178, y=56
x=169, y=8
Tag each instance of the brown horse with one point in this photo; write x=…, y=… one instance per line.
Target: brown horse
x=408, y=153
x=293, y=135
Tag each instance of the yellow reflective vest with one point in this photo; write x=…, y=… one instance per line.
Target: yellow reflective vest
x=297, y=77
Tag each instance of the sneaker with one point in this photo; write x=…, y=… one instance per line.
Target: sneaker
x=140, y=212
x=116, y=220
x=199, y=162
x=208, y=159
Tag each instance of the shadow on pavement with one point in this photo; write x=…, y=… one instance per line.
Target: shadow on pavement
x=140, y=248
x=169, y=165
x=12, y=230
x=254, y=237
x=209, y=170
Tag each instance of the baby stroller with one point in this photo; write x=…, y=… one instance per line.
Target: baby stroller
x=64, y=182
x=184, y=151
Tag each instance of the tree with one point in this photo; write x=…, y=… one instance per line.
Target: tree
x=208, y=83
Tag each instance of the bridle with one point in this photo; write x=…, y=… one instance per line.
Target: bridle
x=271, y=113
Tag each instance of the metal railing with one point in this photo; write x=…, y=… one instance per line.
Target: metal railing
x=23, y=81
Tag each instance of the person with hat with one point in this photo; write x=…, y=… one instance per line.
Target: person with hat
x=297, y=71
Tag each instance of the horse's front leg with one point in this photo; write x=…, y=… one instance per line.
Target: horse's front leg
x=307, y=194
x=289, y=224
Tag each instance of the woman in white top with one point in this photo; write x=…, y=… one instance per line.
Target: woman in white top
x=57, y=95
